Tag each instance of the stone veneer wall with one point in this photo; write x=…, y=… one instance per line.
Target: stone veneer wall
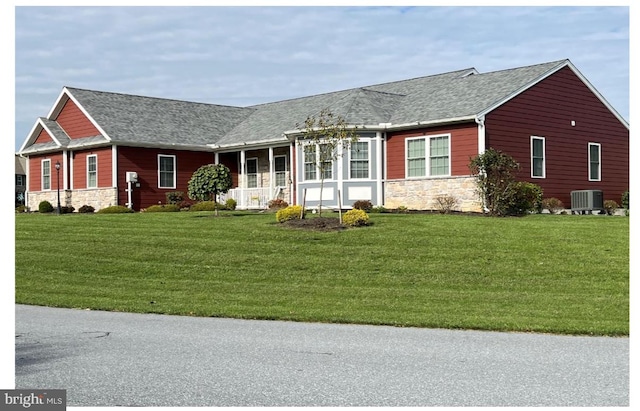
x=96, y=198
x=421, y=194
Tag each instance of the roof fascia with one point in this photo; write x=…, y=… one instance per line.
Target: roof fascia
x=33, y=134
x=253, y=145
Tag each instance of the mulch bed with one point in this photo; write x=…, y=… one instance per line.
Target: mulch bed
x=317, y=223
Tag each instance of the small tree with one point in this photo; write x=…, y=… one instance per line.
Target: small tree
x=324, y=140
x=496, y=173
x=208, y=181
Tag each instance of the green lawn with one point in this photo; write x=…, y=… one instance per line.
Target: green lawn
x=542, y=273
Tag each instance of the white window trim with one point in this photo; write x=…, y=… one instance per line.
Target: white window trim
x=362, y=140
x=427, y=149
x=316, y=163
x=175, y=171
x=275, y=172
x=544, y=156
x=96, y=157
x=599, y=161
x=246, y=168
x=42, y=175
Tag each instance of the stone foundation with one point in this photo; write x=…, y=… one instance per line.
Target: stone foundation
x=422, y=194
x=96, y=198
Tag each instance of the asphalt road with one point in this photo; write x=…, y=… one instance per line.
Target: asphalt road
x=122, y=359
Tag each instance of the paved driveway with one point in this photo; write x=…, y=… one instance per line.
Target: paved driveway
x=122, y=359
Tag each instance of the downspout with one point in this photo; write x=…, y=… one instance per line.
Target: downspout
x=481, y=134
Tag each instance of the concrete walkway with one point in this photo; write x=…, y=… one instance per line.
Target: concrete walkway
x=122, y=359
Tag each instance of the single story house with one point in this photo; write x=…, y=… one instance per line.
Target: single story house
x=416, y=139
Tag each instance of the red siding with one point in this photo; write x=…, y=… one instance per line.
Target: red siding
x=104, y=156
x=464, y=146
x=231, y=160
x=43, y=137
x=546, y=110
x=35, y=172
x=144, y=161
x=74, y=122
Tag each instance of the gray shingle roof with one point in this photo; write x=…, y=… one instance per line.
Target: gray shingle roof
x=151, y=121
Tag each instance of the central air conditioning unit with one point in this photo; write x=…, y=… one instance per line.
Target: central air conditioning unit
x=586, y=200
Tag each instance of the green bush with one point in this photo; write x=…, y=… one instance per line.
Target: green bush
x=610, y=206
x=363, y=205
x=292, y=212
x=355, y=218
x=625, y=200
x=45, y=207
x=205, y=206
x=161, y=208
x=86, y=209
x=402, y=209
x=552, y=204
x=230, y=204
x=116, y=209
x=379, y=209
x=174, y=197
x=22, y=209
x=277, y=203
x=521, y=198
x=67, y=210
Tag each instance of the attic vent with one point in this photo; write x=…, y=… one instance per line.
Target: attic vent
x=586, y=200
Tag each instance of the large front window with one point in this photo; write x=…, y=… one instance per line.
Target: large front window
x=92, y=171
x=359, y=163
x=166, y=171
x=309, y=162
x=46, y=174
x=428, y=156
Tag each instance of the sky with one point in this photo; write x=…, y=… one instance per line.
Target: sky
x=241, y=56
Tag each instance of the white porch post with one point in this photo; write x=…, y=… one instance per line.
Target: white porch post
x=379, y=168
x=242, y=178
x=216, y=158
x=292, y=172
x=272, y=174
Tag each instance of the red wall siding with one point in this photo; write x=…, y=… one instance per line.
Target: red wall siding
x=74, y=122
x=104, y=156
x=231, y=160
x=464, y=146
x=546, y=110
x=35, y=172
x=144, y=161
x=43, y=137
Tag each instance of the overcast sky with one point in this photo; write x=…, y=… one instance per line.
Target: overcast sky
x=247, y=55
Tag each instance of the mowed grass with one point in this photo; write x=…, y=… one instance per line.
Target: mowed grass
x=541, y=273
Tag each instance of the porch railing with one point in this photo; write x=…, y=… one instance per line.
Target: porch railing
x=251, y=198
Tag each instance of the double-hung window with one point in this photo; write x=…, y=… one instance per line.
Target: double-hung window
x=280, y=169
x=428, y=156
x=310, y=162
x=325, y=162
x=537, y=157
x=166, y=171
x=46, y=174
x=252, y=173
x=359, y=162
x=92, y=171
x=594, y=162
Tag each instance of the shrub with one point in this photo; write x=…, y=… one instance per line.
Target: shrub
x=174, y=197
x=402, y=209
x=160, y=208
x=292, y=212
x=625, y=200
x=116, y=209
x=521, y=198
x=277, y=203
x=67, y=210
x=204, y=206
x=610, y=206
x=45, y=207
x=364, y=205
x=446, y=203
x=230, y=204
x=379, y=209
x=552, y=204
x=355, y=218
x=22, y=209
x=86, y=209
